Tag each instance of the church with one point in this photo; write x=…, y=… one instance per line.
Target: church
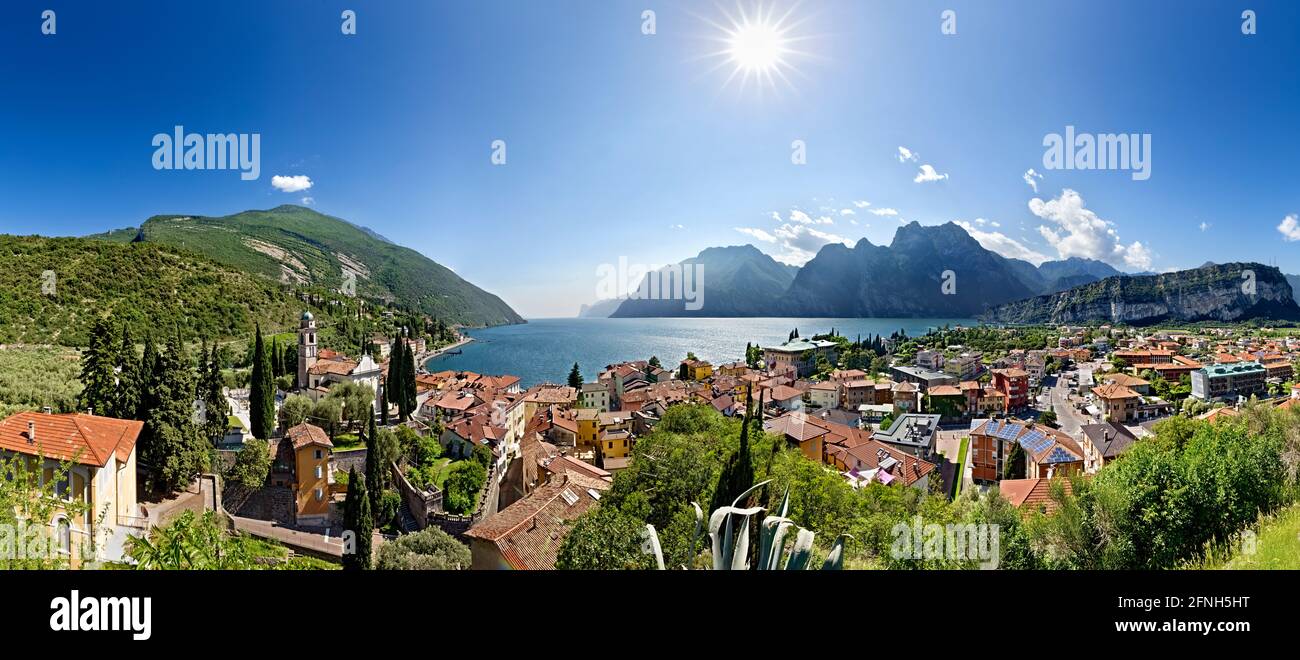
x=318, y=370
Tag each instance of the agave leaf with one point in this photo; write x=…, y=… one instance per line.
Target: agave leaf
x=778, y=544
x=722, y=546
x=835, y=560
x=802, y=551
x=740, y=555
x=751, y=489
x=653, y=537
x=785, y=504
x=699, y=528
x=770, y=527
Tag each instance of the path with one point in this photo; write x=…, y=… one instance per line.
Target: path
x=310, y=542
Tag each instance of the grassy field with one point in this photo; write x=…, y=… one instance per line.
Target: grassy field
x=1276, y=546
x=961, y=464
x=34, y=377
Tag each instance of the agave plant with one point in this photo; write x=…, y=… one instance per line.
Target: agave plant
x=731, y=550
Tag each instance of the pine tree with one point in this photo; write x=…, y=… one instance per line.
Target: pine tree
x=261, y=396
x=358, y=520
x=98, y=379
x=575, y=377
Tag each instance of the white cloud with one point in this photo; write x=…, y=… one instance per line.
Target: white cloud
x=1081, y=233
x=796, y=243
x=1204, y=226
x=803, y=218
x=291, y=184
x=676, y=227
x=862, y=203
x=847, y=212
x=1031, y=177
x=905, y=154
x=885, y=211
x=308, y=201
x=757, y=233
x=1001, y=243
x=927, y=174
x=1290, y=228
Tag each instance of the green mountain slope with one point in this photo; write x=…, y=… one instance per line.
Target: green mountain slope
x=154, y=288
x=299, y=246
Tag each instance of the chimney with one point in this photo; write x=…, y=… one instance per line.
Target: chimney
x=47, y=410
x=90, y=410
x=31, y=432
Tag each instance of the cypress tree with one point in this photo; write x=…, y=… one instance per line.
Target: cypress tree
x=393, y=383
x=98, y=380
x=374, y=468
x=172, y=446
x=737, y=474
x=408, y=384
x=211, y=389
x=127, y=404
x=261, y=396
x=358, y=520
x=575, y=377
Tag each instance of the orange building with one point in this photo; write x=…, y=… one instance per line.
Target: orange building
x=312, y=453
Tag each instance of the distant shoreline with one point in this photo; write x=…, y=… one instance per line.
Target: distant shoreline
x=424, y=358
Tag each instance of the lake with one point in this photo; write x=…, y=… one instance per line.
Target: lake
x=544, y=350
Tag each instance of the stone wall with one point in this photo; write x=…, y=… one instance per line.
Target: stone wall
x=274, y=503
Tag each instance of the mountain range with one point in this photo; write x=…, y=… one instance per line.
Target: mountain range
x=904, y=279
x=299, y=246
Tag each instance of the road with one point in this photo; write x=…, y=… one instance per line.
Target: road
x=1062, y=400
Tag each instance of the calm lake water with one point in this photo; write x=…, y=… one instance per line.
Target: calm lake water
x=545, y=349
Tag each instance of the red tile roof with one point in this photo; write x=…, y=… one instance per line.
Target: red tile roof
x=1030, y=494
x=529, y=532
x=306, y=434
x=86, y=439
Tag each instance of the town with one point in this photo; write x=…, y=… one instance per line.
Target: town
x=373, y=461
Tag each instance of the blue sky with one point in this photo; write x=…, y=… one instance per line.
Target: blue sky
x=625, y=144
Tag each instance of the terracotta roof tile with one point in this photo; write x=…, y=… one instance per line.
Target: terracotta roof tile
x=86, y=439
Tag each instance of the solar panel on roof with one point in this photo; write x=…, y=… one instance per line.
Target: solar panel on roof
x=1035, y=441
x=1060, y=456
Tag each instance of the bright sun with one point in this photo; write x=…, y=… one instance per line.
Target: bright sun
x=757, y=46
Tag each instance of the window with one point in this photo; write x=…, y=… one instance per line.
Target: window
x=318, y=456
x=320, y=495
x=318, y=472
x=63, y=532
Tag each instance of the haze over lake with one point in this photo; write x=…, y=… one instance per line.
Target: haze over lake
x=544, y=350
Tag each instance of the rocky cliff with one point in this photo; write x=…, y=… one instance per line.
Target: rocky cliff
x=1214, y=292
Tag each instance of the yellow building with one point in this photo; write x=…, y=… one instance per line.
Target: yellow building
x=615, y=443
x=588, y=428
x=312, y=453
x=696, y=369
x=101, y=455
